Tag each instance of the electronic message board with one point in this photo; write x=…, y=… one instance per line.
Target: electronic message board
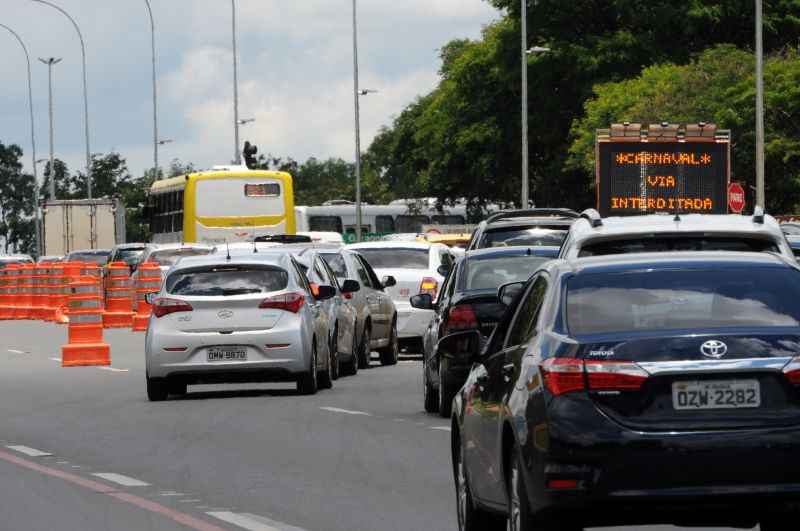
x=649, y=177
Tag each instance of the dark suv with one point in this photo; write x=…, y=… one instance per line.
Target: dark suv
x=529, y=228
x=634, y=390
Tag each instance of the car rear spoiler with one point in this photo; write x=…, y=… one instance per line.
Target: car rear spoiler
x=533, y=212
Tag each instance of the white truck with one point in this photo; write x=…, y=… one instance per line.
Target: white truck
x=77, y=224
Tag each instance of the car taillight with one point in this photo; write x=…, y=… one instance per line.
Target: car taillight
x=428, y=285
x=162, y=307
x=290, y=302
x=792, y=371
x=564, y=375
x=461, y=317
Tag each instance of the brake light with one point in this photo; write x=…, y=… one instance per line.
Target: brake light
x=290, y=302
x=615, y=375
x=461, y=317
x=565, y=375
x=430, y=286
x=792, y=371
x=163, y=306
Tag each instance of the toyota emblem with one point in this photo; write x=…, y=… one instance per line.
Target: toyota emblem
x=225, y=314
x=713, y=349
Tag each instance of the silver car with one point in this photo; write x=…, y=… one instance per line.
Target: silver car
x=376, y=323
x=237, y=318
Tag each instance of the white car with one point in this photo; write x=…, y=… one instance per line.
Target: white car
x=167, y=255
x=417, y=267
x=238, y=318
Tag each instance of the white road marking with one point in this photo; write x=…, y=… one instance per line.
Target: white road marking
x=112, y=369
x=32, y=452
x=250, y=522
x=16, y=351
x=399, y=420
x=170, y=493
x=346, y=411
x=62, y=462
x=55, y=359
x=119, y=479
x=76, y=466
x=442, y=428
x=189, y=501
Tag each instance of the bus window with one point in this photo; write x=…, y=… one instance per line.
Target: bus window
x=449, y=220
x=411, y=223
x=351, y=229
x=384, y=224
x=325, y=223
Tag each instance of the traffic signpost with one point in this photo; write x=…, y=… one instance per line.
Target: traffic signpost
x=736, y=198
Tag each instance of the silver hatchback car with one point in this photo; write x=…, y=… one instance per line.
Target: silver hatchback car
x=233, y=319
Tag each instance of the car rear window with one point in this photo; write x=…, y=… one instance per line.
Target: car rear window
x=396, y=258
x=493, y=273
x=130, y=256
x=683, y=299
x=337, y=265
x=97, y=258
x=169, y=257
x=516, y=237
x=686, y=242
x=223, y=281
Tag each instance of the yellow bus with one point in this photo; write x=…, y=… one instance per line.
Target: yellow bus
x=230, y=203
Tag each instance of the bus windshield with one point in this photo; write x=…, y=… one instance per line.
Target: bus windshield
x=256, y=196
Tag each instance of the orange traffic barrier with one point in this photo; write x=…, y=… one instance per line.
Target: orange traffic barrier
x=38, y=293
x=69, y=271
x=51, y=291
x=3, y=294
x=119, y=297
x=148, y=280
x=22, y=309
x=12, y=282
x=85, y=344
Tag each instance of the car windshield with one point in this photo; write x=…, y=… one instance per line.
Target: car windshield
x=396, y=257
x=130, y=256
x=226, y=281
x=790, y=229
x=493, y=273
x=685, y=242
x=337, y=265
x=683, y=299
x=99, y=258
x=516, y=236
x=169, y=257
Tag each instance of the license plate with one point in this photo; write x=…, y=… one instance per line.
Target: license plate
x=227, y=354
x=716, y=394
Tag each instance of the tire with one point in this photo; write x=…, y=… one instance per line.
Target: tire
x=307, y=383
x=177, y=388
x=471, y=517
x=519, y=513
x=336, y=366
x=350, y=367
x=776, y=523
x=364, y=351
x=325, y=378
x=157, y=389
x=390, y=353
x=446, y=393
x=430, y=394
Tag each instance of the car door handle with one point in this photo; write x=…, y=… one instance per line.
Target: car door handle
x=508, y=371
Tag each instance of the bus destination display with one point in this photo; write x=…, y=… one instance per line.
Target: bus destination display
x=645, y=178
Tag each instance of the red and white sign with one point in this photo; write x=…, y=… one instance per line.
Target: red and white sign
x=736, y=198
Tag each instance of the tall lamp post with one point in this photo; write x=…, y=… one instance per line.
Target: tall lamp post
x=760, y=195
x=155, y=89
x=85, y=95
x=51, y=62
x=37, y=226
x=238, y=156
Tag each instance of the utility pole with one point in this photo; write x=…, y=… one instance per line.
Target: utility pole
x=760, y=195
x=50, y=62
x=524, y=49
x=357, y=95
x=238, y=157
x=155, y=92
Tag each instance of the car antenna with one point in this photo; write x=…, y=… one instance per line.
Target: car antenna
x=228, y=249
x=255, y=247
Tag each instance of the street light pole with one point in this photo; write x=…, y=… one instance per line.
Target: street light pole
x=37, y=226
x=85, y=95
x=357, y=94
x=524, y=50
x=51, y=62
x=155, y=90
x=760, y=196
x=238, y=156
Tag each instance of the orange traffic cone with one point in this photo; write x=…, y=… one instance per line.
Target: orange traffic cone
x=119, y=297
x=148, y=280
x=85, y=336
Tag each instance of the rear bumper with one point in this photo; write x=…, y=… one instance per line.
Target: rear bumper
x=627, y=477
x=412, y=322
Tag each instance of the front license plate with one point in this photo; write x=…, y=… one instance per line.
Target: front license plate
x=227, y=354
x=716, y=394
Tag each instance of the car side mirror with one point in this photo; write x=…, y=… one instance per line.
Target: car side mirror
x=463, y=348
x=150, y=297
x=325, y=292
x=350, y=286
x=508, y=292
x=388, y=281
x=443, y=270
x=423, y=301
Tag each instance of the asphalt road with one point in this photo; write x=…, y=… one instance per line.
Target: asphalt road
x=82, y=449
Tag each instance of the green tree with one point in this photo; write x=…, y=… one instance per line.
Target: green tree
x=16, y=208
x=62, y=178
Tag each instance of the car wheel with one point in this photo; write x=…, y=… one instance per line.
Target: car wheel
x=177, y=388
x=392, y=350
x=326, y=376
x=519, y=514
x=157, y=389
x=350, y=367
x=430, y=394
x=776, y=523
x=364, y=350
x=470, y=517
x=446, y=393
x=307, y=384
x=335, y=366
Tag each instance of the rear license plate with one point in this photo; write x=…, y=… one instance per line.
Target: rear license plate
x=227, y=354
x=716, y=394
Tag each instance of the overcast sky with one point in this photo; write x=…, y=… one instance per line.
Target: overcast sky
x=296, y=73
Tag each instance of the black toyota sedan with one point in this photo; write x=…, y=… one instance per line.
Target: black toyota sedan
x=634, y=390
